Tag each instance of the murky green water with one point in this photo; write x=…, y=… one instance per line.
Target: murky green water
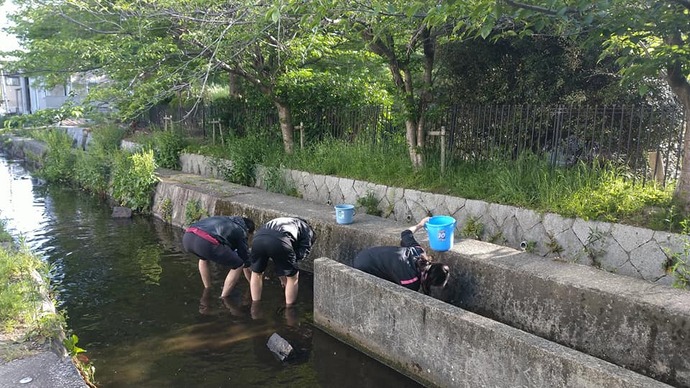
x=133, y=298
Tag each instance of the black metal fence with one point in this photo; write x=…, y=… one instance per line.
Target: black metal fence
x=645, y=139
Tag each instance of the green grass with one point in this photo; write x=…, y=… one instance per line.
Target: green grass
x=20, y=295
x=24, y=326
x=591, y=192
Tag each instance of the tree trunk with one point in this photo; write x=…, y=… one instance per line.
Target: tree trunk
x=286, y=127
x=683, y=189
x=680, y=86
x=233, y=85
x=412, y=148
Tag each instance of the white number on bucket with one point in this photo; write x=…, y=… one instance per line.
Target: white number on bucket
x=441, y=235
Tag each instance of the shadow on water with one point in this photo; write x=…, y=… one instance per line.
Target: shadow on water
x=136, y=302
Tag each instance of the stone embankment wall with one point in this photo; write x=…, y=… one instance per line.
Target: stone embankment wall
x=625, y=250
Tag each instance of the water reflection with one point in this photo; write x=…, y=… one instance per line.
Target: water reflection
x=135, y=300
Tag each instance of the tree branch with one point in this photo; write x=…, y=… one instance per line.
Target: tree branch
x=684, y=3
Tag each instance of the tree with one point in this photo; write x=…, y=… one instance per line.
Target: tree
x=648, y=39
x=153, y=50
x=398, y=32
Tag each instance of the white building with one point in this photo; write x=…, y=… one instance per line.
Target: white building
x=23, y=95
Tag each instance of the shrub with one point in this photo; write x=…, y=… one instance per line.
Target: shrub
x=134, y=179
x=59, y=163
x=193, y=212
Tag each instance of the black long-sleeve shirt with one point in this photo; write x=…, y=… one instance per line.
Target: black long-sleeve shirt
x=395, y=264
x=228, y=230
x=298, y=231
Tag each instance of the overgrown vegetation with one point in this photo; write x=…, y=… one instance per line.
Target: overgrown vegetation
x=103, y=168
x=193, y=212
x=24, y=287
x=678, y=263
x=276, y=183
x=592, y=192
x=166, y=146
x=60, y=159
x=134, y=179
x=23, y=280
x=473, y=229
x=93, y=168
x=370, y=204
x=166, y=210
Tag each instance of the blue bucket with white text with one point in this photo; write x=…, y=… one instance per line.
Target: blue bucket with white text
x=441, y=231
x=344, y=213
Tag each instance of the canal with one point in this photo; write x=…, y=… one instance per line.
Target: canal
x=136, y=302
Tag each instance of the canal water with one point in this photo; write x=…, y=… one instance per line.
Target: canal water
x=136, y=302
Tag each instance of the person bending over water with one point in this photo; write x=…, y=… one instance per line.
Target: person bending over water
x=407, y=265
x=286, y=240
x=224, y=240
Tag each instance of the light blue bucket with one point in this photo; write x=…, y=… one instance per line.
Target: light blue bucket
x=344, y=213
x=441, y=231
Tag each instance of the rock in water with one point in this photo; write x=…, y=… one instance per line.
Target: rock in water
x=122, y=212
x=280, y=347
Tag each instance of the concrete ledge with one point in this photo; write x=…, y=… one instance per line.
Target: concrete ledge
x=445, y=346
x=628, y=322
x=26, y=148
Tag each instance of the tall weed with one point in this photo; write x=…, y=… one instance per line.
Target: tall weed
x=166, y=145
x=93, y=166
x=246, y=153
x=134, y=179
x=20, y=296
x=58, y=165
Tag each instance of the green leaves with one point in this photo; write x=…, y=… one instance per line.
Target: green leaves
x=70, y=344
x=273, y=14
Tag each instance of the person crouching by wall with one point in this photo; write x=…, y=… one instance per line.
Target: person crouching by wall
x=223, y=240
x=407, y=265
x=286, y=240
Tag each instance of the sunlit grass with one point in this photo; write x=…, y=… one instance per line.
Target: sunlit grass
x=602, y=192
x=20, y=295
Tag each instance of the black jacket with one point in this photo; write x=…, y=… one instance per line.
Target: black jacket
x=299, y=233
x=228, y=230
x=395, y=264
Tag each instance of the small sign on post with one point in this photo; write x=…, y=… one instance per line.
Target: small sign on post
x=441, y=133
x=167, y=119
x=220, y=131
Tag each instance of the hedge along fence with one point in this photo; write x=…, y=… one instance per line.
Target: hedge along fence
x=646, y=140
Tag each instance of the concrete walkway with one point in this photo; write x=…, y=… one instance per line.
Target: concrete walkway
x=42, y=370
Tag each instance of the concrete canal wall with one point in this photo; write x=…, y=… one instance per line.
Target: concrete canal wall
x=612, y=319
x=512, y=318
x=446, y=346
